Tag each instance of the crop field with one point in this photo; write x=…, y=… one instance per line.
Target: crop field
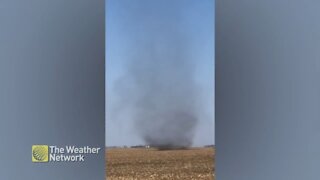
x=142, y=164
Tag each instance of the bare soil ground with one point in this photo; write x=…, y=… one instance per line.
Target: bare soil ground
x=143, y=164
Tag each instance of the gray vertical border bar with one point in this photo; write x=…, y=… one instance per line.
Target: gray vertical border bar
x=52, y=85
x=267, y=89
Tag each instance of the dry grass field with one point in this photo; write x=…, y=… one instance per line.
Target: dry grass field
x=143, y=164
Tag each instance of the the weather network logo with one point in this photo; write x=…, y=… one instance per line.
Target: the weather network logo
x=40, y=153
x=51, y=153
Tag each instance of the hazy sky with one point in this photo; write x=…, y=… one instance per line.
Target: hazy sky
x=132, y=21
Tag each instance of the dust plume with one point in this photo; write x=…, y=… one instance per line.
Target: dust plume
x=158, y=86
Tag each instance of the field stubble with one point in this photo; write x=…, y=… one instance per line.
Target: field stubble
x=152, y=164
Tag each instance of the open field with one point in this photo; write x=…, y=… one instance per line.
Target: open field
x=142, y=164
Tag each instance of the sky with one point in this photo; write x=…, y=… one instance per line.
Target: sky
x=130, y=22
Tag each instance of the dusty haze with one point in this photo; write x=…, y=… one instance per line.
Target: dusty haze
x=158, y=87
